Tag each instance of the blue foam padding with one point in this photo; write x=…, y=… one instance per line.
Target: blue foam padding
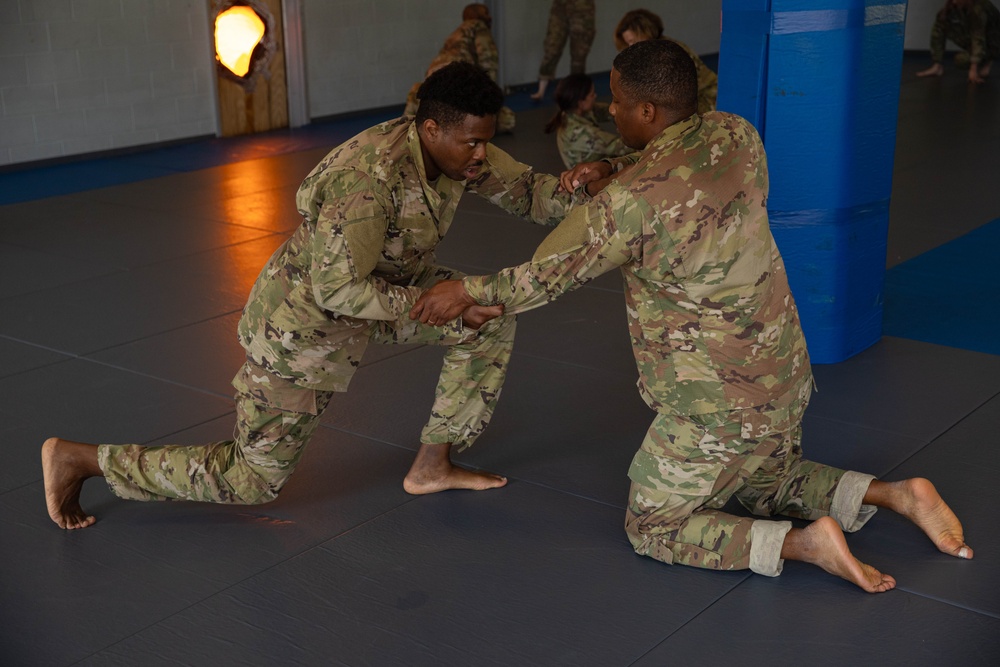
x=820, y=81
x=949, y=295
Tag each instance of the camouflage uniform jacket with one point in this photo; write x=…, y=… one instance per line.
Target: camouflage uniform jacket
x=371, y=224
x=712, y=320
x=581, y=138
x=975, y=29
x=471, y=42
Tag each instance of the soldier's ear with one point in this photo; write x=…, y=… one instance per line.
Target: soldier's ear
x=648, y=112
x=431, y=130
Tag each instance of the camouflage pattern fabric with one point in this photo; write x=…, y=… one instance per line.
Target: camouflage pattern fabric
x=274, y=420
x=582, y=139
x=713, y=323
x=975, y=29
x=472, y=42
x=347, y=276
x=372, y=223
x=715, y=333
x=688, y=468
x=573, y=20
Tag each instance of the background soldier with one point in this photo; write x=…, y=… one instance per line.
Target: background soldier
x=471, y=42
x=974, y=25
x=716, y=335
x=573, y=19
x=579, y=135
x=641, y=24
x=374, y=210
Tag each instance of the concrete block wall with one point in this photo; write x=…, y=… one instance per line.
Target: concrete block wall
x=366, y=54
x=79, y=76
x=83, y=76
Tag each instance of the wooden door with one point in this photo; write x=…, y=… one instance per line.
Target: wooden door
x=258, y=102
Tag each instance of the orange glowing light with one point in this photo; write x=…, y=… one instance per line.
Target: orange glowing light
x=237, y=31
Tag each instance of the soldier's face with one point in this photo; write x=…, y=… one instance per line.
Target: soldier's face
x=457, y=151
x=627, y=115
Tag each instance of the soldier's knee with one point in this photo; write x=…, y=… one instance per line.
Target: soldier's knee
x=247, y=487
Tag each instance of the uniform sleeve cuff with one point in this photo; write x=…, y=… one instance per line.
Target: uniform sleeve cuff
x=479, y=289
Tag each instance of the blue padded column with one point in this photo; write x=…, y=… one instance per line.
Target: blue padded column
x=819, y=79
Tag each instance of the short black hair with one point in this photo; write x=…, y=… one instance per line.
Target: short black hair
x=455, y=91
x=659, y=71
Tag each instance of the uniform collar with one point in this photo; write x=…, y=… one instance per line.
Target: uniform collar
x=674, y=133
x=447, y=192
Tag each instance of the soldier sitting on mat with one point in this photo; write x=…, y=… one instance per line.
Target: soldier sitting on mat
x=374, y=209
x=471, y=42
x=579, y=135
x=716, y=336
x=975, y=26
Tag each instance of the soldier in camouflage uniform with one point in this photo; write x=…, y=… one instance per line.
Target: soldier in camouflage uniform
x=374, y=211
x=974, y=25
x=716, y=335
x=572, y=19
x=471, y=42
x=641, y=24
x=579, y=135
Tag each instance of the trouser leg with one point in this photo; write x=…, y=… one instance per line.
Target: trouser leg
x=689, y=467
x=581, y=36
x=685, y=471
x=789, y=485
x=552, y=48
x=468, y=388
x=249, y=469
x=472, y=373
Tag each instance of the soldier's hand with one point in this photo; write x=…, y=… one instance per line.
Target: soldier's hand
x=441, y=303
x=583, y=173
x=476, y=316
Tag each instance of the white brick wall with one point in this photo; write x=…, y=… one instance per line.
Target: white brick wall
x=78, y=76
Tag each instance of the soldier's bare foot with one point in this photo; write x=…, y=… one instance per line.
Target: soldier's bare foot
x=984, y=70
x=822, y=543
x=919, y=501
x=937, y=69
x=65, y=466
x=433, y=471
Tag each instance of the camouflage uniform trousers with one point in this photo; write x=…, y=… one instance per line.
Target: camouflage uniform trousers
x=688, y=467
x=572, y=19
x=275, y=419
x=954, y=27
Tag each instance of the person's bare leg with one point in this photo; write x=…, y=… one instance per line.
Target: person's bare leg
x=919, y=501
x=540, y=93
x=433, y=471
x=65, y=466
x=822, y=543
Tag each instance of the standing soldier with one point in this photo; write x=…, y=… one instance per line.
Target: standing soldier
x=471, y=42
x=374, y=210
x=573, y=19
x=974, y=25
x=717, y=340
